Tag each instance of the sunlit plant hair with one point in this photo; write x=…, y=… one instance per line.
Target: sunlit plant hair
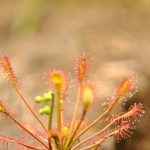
x=67, y=137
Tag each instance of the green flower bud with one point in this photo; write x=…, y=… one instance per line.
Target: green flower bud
x=39, y=99
x=48, y=96
x=65, y=131
x=45, y=110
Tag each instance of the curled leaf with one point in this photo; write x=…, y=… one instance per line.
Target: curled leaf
x=6, y=67
x=81, y=68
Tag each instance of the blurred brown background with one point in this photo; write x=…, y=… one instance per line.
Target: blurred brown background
x=42, y=34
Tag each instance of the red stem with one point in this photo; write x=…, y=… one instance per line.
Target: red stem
x=30, y=133
x=28, y=106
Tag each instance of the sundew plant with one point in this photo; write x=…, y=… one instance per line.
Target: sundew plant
x=68, y=137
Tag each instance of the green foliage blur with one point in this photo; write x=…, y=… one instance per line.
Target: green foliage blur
x=30, y=13
x=29, y=17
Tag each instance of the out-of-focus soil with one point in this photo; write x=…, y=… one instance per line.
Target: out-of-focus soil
x=116, y=37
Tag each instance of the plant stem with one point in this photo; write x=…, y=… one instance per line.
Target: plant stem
x=51, y=113
x=93, y=146
x=59, y=109
x=74, y=117
x=59, y=116
x=49, y=143
x=97, y=119
x=97, y=143
x=31, y=147
x=97, y=133
x=28, y=106
x=92, y=124
x=79, y=124
x=30, y=133
x=20, y=142
x=50, y=121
